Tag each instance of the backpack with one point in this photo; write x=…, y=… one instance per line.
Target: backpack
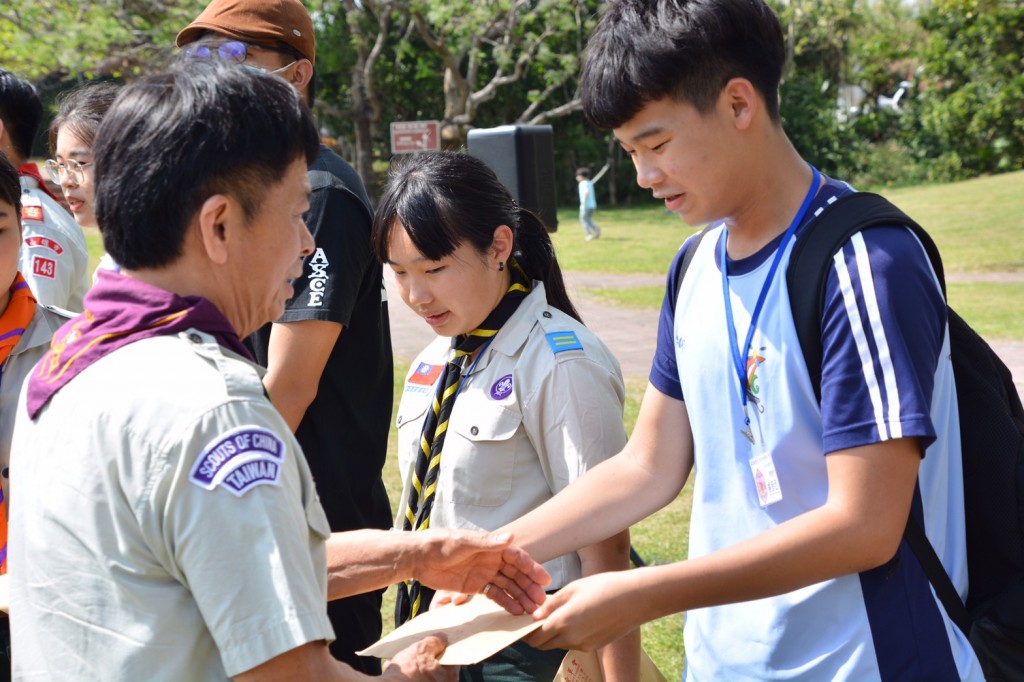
x=991, y=438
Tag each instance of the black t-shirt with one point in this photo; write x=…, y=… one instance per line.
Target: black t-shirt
x=344, y=433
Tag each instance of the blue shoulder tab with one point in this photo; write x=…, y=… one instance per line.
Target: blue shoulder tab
x=563, y=341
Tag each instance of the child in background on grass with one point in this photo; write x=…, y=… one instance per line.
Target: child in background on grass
x=588, y=204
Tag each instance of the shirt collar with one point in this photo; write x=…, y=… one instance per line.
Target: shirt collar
x=514, y=333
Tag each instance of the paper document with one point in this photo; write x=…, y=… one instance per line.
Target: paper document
x=476, y=630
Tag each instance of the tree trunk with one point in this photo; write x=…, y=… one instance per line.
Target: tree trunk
x=364, y=156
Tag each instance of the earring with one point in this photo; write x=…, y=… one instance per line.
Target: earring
x=501, y=266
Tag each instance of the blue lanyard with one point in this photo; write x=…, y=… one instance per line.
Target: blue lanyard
x=738, y=353
x=465, y=375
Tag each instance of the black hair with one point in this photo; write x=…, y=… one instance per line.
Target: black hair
x=445, y=199
x=172, y=140
x=643, y=51
x=81, y=109
x=583, y=173
x=10, y=185
x=21, y=110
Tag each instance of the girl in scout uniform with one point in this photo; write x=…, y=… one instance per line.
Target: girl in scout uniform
x=515, y=398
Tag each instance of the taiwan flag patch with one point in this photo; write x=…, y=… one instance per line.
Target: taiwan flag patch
x=426, y=374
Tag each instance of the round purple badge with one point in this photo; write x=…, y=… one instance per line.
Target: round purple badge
x=502, y=387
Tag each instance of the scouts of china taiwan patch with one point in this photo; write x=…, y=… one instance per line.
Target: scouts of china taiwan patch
x=239, y=460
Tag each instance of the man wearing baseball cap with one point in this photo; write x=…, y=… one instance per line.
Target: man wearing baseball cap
x=329, y=356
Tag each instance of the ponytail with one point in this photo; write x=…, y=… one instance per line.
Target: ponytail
x=536, y=255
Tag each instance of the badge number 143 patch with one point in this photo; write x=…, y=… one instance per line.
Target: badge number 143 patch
x=239, y=460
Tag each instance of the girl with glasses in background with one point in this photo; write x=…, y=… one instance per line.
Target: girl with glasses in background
x=71, y=138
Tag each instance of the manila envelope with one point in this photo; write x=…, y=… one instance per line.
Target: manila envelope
x=476, y=630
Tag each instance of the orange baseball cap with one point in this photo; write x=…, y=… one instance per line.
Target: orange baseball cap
x=258, y=22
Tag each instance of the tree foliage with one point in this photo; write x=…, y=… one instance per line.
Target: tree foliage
x=65, y=38
x=486, y=46
x=464, y=63
x=973, y=111
x=481, y=63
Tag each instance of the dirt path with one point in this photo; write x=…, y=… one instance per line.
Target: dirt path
x=630, y=332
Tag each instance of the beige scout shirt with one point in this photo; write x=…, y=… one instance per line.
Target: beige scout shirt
x=536, y=411
x=165, y=525
x=34, y=343
x=54, y=255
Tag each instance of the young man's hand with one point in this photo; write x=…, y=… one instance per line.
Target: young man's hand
x=588, y=613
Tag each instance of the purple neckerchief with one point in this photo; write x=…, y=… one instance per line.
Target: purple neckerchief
x=120, y=310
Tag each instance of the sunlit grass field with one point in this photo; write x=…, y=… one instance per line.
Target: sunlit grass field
x=978, y=226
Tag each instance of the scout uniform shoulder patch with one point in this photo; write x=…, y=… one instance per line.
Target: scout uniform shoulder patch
x=44, y=242
x=563, y=341
x=239, y=460
x=31, y=208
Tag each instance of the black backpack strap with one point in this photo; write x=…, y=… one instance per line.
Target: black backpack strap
x=937, y=575
x=806, y=276
x=811, y=261
x=690, y=250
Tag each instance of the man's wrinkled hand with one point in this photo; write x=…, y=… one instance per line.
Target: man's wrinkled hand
x=471, y=562
x=420, y=662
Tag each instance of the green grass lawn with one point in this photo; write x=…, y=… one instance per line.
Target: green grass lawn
x=95, y=243
x=978, y=225
x=993, y=309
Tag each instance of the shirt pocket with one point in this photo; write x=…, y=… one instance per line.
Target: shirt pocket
x=478, y=463
x=316, y=519
x=412, y=412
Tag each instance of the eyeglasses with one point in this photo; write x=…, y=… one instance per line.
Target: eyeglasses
x=70, y=168
x=234, y=52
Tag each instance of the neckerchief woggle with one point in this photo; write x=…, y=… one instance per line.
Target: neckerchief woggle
x=737, y=352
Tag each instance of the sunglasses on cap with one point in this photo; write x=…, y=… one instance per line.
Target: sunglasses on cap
x=236, y=52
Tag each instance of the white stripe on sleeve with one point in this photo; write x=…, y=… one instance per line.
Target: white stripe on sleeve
x=850, y=303
x=867, y=282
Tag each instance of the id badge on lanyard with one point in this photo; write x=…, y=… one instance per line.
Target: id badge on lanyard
x=766, y=479
x=762, y=466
